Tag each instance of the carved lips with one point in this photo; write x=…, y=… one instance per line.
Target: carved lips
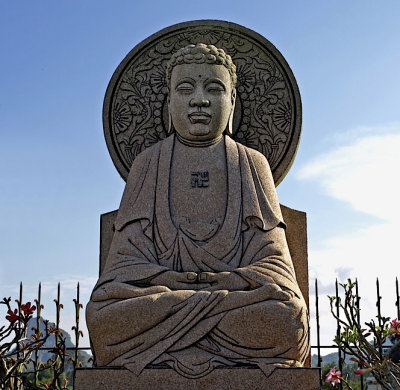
x=200, y=117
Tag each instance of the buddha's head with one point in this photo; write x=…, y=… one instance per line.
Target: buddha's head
x=201, y=81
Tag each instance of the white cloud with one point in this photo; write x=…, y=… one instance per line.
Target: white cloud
x=365, y=174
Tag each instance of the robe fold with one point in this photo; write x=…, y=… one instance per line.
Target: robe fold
x=133, y=323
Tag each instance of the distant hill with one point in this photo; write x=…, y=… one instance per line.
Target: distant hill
x=334, y=357
x=329, y=359
x=45, y=355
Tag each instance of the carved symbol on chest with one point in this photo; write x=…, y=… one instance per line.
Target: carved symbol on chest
x=199, y=179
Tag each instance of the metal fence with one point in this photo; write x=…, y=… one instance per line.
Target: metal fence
x=340, y=356
x=315, y=323
x=77, y=334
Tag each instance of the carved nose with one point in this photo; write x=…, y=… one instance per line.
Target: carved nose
x=196, y=102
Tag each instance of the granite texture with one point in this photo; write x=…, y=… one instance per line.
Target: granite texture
x=199, y=275
x=255, y=312
x=296, y=236
x=219, y=379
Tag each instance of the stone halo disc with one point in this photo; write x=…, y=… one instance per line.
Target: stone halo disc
x=268, y=106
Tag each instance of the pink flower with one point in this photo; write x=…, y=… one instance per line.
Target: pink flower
x=362, y=371
x=333, y=376
x=395, y=328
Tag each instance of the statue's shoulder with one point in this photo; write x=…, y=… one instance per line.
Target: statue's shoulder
x=257, y=158
x=145, y=160
x=151, y=152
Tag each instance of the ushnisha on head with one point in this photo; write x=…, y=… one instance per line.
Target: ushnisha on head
x=201, y=81
x=201, y=54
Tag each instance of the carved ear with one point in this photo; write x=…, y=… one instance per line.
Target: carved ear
x=170, y=124
x=233, y=97
x=229, y=129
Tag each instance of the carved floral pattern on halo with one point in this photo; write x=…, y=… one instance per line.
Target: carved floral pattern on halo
x=247, y=136
x=246, y=78
x=266, y=142
x=282, y=116
x=234, y=45
x=122, y=117
x=140, y=114
x=210, y=36
x=158, y=80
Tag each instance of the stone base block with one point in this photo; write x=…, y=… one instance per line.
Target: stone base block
x=115, y=378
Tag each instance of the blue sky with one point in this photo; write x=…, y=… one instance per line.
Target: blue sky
x=56, y=176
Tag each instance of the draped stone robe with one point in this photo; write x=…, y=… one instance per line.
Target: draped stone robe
x=133, y=323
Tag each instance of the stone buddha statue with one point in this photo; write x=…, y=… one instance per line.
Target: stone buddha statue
x=199, y=274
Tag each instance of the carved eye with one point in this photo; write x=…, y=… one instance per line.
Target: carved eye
x=215, y=88
x=184, y=87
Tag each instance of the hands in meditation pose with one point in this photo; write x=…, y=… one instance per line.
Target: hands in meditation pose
x=199, y=274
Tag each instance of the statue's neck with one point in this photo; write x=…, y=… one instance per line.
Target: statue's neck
x=198, y=144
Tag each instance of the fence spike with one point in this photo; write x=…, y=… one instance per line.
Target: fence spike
x=397, y=299
x=319, y=363
x=340, y=362
x=358, y=320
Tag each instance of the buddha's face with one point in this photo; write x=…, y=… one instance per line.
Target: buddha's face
x=201, y=100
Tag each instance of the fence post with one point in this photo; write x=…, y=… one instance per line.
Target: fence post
x=378, y=306
x=75, y=328
x=340, y=362
x=397, y=299
x=38, y=302
x=358, y=320
x=319, y=364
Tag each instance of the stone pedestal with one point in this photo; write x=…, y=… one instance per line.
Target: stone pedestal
x=107, y=378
